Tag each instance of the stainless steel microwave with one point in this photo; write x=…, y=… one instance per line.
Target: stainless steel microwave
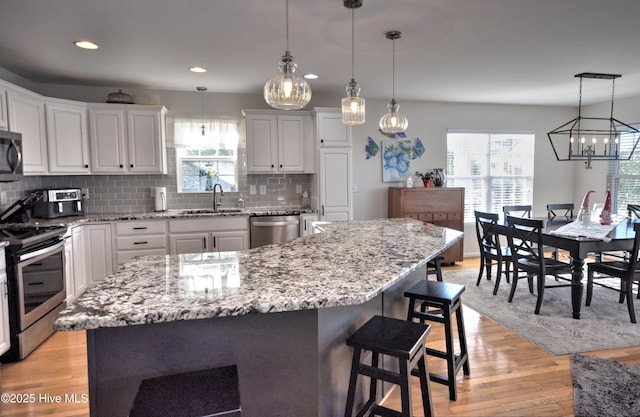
x=10, y=156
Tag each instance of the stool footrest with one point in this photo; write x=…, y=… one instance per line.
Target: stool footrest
x=379, y=373
x=380, y=410
x=428, y=316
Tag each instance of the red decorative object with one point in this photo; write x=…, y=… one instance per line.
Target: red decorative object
x=584, y=209
x=427, y=182
x=605, y=215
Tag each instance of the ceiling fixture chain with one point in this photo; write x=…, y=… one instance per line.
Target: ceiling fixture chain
x=353, y=106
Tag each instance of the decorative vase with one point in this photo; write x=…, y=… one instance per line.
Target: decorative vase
x=427, y=182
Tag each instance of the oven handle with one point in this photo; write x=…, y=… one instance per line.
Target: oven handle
x=42, y=251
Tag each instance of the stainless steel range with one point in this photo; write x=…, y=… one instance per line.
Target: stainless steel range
x=36, y=284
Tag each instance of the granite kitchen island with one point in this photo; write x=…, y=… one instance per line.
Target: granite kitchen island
x=280, y=313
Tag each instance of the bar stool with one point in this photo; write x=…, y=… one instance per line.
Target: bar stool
x=445, y=298
x=434, y=268
x=206, y=392
x=397, y=338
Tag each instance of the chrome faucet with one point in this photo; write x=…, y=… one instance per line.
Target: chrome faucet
x=216, y=197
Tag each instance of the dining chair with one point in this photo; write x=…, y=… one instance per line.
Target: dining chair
x=560, y=212
x=628, y=271
x=491, y=250
x=633, y=210
x=527, y=255
x=518, y=210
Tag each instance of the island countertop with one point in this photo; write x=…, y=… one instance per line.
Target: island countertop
x=349, y=263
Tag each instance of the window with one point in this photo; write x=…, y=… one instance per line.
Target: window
x=495, y=169
x=204, y=160
x=624, y=178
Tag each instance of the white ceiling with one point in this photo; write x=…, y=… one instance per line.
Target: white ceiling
x=481, y=51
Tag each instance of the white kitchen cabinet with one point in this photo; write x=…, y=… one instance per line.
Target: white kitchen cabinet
x=209, y=235
x=98, y=252
x=306, y=220
x=79, y=260
x=67, y=137
x=330, y=131
x=5, y=341
x=139, y=238
x=335, y=182
x=26, y=116
x=127, y=139
x=278, y=141
x=69, y=277
x=4, y=114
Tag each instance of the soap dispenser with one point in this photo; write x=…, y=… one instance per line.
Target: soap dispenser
x=241, y=201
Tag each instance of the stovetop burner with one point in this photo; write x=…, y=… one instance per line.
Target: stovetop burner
x=26, y=235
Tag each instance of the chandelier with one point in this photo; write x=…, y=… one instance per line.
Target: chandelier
x=353, y=105
x=393, y=122
x=287, y=90
x=594, y=138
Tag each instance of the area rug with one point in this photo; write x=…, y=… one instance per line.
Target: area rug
x=603, y=325
x=604, y=387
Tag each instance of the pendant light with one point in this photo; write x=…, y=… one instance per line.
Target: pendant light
x=393, y=122
x=353, y=105
x=202, y=90
x=286, y=90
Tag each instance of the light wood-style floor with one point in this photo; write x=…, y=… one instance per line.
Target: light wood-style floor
x=509, y=376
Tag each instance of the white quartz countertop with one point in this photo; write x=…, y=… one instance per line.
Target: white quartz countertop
x=349, y=263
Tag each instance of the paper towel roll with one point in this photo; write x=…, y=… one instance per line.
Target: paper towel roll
x=160, y=195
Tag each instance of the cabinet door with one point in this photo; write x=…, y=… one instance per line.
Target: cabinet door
x=230, y=241
x=262, y=136
x=189, y=243
x=335, y=184
x=79, y=260
x=290, y=144
x=26, y=116
x=330, y=130
x=306, y=221
x=68, y=138
x=107, y=137
x=68, y=270
x=145, y=142
x=4, y=114
x=100, y=255
x=5, y=341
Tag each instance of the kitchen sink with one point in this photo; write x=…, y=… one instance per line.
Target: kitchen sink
x=211, y=211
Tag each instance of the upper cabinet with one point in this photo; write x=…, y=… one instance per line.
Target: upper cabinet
x=127, y=139
x=279, y=141
x=4, y=114
x=67, y=137
x=330, y=131
x=26, y=116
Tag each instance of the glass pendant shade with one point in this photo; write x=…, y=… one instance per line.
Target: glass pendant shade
x=353, y=108
x=393, y=122
x=286, y=90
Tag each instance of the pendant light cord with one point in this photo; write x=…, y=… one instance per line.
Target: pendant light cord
x=393, y=71
x=353, y=48
x=287, y=22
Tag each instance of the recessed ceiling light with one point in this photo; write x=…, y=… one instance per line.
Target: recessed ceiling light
x=85, y=45
x=197, y=69
x=311, y=76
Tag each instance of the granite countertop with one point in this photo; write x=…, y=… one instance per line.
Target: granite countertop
x=169, y=214
x=349, y=263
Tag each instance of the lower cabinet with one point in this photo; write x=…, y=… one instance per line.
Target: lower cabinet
x=139, y=238
x=5, y=342
x=79, y=265
x=208, y=235
x=306, y=223
x=98, y=252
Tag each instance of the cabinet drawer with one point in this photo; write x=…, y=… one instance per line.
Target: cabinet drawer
x=454, y=216
x=123, y=256
x=141, y=242
x=140, y=227
x=425, y=217
x=438, y=217
x=208, y=225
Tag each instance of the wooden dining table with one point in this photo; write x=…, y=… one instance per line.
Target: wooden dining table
x=579, y=248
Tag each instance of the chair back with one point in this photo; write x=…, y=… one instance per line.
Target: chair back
x=488, y=239
x=634, y=262
x=633, y=210
x=518, y=210
x=562, y=211
x=525, y=242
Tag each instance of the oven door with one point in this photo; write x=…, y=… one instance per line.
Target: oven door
x=40, y=277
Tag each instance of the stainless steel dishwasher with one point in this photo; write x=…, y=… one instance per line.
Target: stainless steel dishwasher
x=273, y=229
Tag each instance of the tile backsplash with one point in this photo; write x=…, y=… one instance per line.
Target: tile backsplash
x=132, y=193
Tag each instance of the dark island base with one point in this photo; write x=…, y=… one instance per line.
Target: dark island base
x=289, y=364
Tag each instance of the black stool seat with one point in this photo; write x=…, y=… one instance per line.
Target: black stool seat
x=209, y=392
x=397, y=338
x=445, y=298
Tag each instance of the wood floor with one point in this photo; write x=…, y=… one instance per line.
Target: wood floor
x=509, y=376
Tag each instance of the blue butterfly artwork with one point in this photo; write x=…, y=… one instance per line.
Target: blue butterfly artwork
x=418, y=149
x=394, y=135
x=372, y=148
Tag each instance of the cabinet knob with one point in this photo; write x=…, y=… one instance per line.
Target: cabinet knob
x=280, y=165
x=321, y=140
x=86, y=166
x=273, y=166
x=131, y=165
x=121, y=166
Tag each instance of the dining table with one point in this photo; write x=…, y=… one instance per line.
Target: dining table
x=579, y=246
